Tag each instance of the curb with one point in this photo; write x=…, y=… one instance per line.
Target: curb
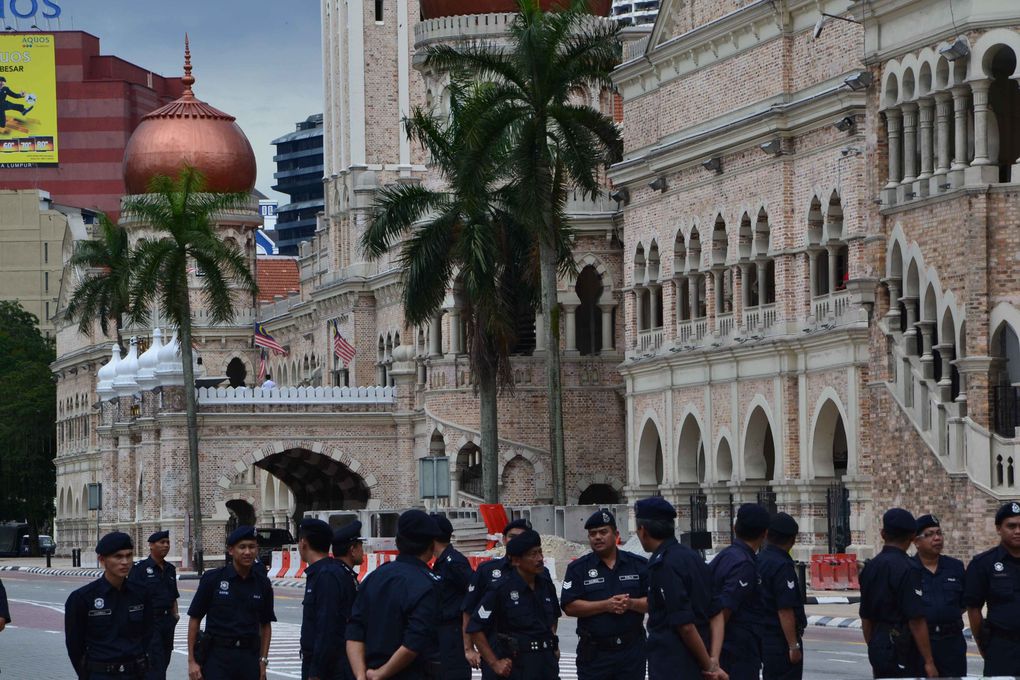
x=850, y=622
x=53, y=571
x=832, y=599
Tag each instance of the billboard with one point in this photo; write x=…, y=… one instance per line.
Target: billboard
x=28, y=101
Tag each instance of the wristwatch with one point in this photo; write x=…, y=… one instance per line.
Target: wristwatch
x=264, y=660
x=795, y=647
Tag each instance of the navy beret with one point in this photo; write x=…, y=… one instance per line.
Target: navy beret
x=311, y=526
x=753, y=516
x=445, y=526
x=114, y=542
x=416, y=525
x=656, y=507
x=600, y=518
x=898, y=519
x=519, y=523
x=522, y=543
x=927, y=522
x=1011, y=509
x=784, y=525
x=244, y=532
x=345, y=536
x=159, y=536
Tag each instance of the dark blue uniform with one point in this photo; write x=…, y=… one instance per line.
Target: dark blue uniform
x=107, y=629
x=234, y=609
x=162, y=587
x=943, y=610
x=5, y=610
x=455, y=575
x=993, y=578
x=330, y=589
x=735, y=584
x=779, y=588
x=891, y=595
x=397, y=605
x=610, y=646
x=523, y=623
x=488, y=575
x=679, y=593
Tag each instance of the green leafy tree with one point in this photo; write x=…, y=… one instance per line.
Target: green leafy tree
x=554, y=142
x=28, y=414
x=462, y=231
x=104, y=292
x=182, y=215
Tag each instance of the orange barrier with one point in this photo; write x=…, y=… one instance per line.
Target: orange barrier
x=834, y=572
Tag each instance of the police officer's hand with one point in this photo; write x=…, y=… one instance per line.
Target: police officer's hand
x=930, y=671
x=796, y=655
x=194, y=671
x=503, y=667
x=619, y=604
x=3, y=623
x=474, y=659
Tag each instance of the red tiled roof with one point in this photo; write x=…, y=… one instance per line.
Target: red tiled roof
x=277, y=275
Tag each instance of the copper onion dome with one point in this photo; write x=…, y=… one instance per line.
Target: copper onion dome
x=432, y=9
x=189, y=132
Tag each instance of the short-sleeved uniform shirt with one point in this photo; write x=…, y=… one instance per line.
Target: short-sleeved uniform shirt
x=993, y=578
x=397, y=605
x=5, y=610
x=779, y=587
x=455, y=575
x=329, y=596
x=679, y=593
x=514, y=608
x=735, y=583
x=160, y=583
x=233, y=606
x=106, y=623
x=588, y=578
x=942, y=591
x=488, y=575
x=891, y=590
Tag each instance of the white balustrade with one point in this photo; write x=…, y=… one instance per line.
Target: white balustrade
x=724, y=324
x=296, y=395
x=650, y=340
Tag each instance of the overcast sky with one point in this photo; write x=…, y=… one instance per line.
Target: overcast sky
x=258, y=60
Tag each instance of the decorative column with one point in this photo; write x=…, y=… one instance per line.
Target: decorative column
x=571, y=326
x=745, y=286
x=909, y=143
x=910, y=304
x=927, y=116
x=832, y=252
x=813, y=271
x=943, y=110
x=720, y=296
x=681, y=298
x=607, y=325
x=761, y=271
x=945, y=350
x=892, y=316
x=980, y=91
x=894, y=126
x=539, y=333
x=961, y=94
x=693, y=284
x=653, y=306
x=455, y=346
x=436, y=335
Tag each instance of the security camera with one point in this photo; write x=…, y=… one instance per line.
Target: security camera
x=819, y=25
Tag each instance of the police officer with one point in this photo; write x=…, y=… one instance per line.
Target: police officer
x=159, y=577
x=993, y=578
x=487, y=576
x=108, y=623
x=782, y=652
x=237, y=603
x=328, y=593
x=942, y=580
x=607, y=590
x=349, y=551
x=683, y=616
x=892, y=608
x=735, y=583
x=392, y=631
x=520, y=613
x=454, y=572
x=5, y=610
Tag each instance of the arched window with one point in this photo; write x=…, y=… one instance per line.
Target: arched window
x=236, y=372
x=1004, y=381
x=588, y=319
x=1004, y=102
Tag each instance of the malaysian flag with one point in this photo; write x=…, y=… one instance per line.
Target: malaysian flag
x=264, y=339
x=262, y=367
x=341, y=347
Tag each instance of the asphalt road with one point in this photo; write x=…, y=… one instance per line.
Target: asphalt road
x=32, y=648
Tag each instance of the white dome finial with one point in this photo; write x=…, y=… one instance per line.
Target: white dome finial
x=107, y=374
x=148, y=362
x=170, y=370
x=127, y=370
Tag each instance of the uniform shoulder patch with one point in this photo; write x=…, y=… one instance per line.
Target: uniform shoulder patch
x=791, y=584
x=567, y=585
x=484, y=613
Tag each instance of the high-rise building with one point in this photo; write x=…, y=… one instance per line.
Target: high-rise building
x=635, y=12
x=299, y=175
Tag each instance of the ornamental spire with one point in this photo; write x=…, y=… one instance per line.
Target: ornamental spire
x=188, y=79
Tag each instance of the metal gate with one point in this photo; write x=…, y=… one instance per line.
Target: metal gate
x=699, y=512
x=767, y=498
x=838, y=503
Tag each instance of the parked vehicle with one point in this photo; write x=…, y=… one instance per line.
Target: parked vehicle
x=10, y=538
x=270, y=540
x=47, y=546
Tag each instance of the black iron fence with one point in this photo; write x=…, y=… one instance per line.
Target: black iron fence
x=1005, y=403
x=471, y=481
x=838, y=502
x=767, y=499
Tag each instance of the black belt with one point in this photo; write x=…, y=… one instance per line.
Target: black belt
x=526, y=644
x=127, y=667
x=1004, y=633
x=163, y=611
x=945, y=629
x=234, y=642
x=613, y=641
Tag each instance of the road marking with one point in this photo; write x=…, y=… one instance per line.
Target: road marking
x=46, y=605
x=841, y=660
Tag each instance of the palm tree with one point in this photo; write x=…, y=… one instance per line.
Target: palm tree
x=104, y=292
x=462, y=230
x=182, y=216
x=554, y=142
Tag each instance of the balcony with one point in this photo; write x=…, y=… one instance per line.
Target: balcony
x=691, y=332
x=472, y=27
x=650, y=340
x=758, y=320
x=832, y=307
x=229, y=396
x=724, y=324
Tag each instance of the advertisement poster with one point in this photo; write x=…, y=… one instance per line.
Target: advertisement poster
x=28, y=101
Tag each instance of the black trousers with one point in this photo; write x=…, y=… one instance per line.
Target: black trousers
x=893, y=660
x=741, y=654
x=161, y=647
x=226, y=663
x=622, y=663
x=9, y=106
x=775, y=658
x=535, y=666
x=950, y=654
x=341, y=673
x=451, y=652
x=1002, y=656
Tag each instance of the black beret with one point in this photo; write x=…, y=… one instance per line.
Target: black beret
x=416, y=525
x=522, y=543
x=600, y=518
x=519, y=523
x=244, y=532
x=656, y=507
x=114, y=542
x=445, y=526
x=898, y=519
x=784, y=525
x=927, y=522
x=1011, y=509
x=753, y=516
x=159, y=536
x=345, y=536
x=311, y=526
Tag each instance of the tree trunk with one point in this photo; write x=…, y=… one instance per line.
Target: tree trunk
x=489, y=427
x=551, y=323
x=191, y=407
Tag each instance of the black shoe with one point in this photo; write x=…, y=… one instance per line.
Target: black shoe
x=27, y=109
